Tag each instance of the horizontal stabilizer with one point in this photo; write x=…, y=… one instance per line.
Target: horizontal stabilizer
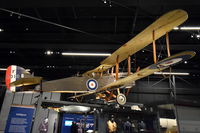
x=26, y=81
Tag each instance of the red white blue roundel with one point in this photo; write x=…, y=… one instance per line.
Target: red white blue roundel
x=92, y=84
x=169, y=62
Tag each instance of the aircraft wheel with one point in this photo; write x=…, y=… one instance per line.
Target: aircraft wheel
x=121, y=99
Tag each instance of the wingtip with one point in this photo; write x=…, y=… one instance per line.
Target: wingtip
x=190, y=52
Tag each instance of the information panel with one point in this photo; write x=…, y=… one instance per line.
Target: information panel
x=77, y=123
x=19, y=119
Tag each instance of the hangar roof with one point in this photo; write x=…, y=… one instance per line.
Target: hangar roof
x=104, y=26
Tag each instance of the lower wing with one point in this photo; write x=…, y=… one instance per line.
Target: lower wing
x=161, y=65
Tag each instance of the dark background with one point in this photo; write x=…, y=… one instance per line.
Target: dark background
x=106, y=27
x=24, y=41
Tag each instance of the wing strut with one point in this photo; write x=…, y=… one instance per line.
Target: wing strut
x=129, y=72
x=111, y=94
x=154, y=47
x=117, y=71
x=129, y=65
x=167, y=43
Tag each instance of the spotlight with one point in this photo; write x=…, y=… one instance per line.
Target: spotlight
x=11, y=14
x=12, y=52
x=19, y=17
x=49, y=52
x=185, y=62
x=196, y=36
x=1, y=30
x=110, y=3
x=104, y=1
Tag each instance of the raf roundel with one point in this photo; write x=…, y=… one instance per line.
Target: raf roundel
x=92, y=84
x=169, y=62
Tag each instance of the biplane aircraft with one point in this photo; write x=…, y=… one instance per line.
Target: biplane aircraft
x=98, y=81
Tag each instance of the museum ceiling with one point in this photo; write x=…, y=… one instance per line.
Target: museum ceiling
x=103, y=26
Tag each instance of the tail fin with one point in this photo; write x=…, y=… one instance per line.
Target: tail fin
x=14, y=73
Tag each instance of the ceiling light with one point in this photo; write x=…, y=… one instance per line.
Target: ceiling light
x=176, y=28
x=185, y=62
x=11, y=14
x=190, y=28
x=170, y=73
x=85, y=54
x=12, y=52
x=196, y=36
x=74, y=108
x=110, y=3
x=49, y=52
x=1, y=30
x=3, y=69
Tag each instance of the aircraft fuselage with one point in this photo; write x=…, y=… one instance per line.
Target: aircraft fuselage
x=77, y=84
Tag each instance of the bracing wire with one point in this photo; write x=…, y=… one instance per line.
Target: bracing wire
x=58, y=25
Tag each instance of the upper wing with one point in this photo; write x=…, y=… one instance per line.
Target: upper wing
x=161, y=65
x=162, y=25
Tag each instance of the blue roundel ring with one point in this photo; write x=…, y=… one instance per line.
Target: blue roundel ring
x=92, y=84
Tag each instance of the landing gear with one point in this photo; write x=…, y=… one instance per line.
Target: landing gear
x=121, y=99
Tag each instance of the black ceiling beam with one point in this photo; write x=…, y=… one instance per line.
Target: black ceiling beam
x=74, y=12
x=134, y=21
x=115, y=27
x=59, y=19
